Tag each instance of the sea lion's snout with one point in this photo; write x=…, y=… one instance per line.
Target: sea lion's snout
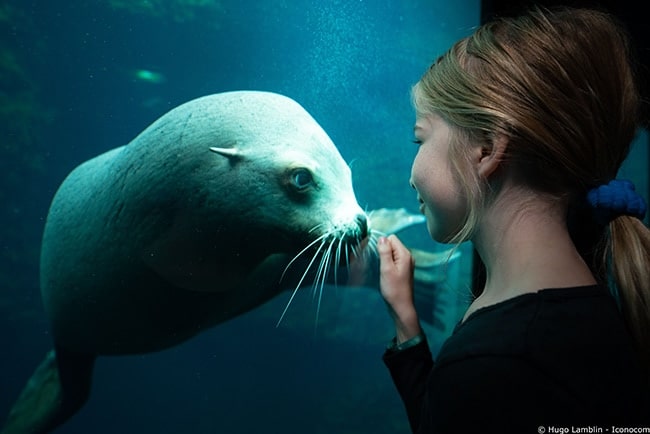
x=352, y=232
x=362, y=221
x=354, y=237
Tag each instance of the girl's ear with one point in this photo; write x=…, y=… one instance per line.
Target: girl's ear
x=491, y=158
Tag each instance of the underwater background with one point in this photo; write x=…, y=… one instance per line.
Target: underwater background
x=82, y=77
x=78, y=78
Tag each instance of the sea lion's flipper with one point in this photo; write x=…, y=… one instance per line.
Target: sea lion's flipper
x=388, y=221
x=429, y=274
x=57, y=390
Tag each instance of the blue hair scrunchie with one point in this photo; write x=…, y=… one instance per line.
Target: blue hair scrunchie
x=615, y=199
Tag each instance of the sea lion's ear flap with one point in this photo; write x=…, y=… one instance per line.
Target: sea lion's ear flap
x=232, y=154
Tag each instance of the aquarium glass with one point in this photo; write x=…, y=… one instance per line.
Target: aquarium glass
x=80, y=78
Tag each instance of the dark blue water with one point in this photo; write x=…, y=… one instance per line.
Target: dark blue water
x=71, y=90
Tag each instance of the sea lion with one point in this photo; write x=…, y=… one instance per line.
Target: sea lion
x=190, y=224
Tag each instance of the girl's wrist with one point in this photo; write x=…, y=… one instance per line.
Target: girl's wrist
x=395, y=346
x=407, y=326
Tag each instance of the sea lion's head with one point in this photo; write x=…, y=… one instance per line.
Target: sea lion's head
x=282, y=175
x=236, y=177
x=255, y=166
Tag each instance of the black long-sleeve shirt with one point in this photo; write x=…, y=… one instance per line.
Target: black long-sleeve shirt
x=558, y=358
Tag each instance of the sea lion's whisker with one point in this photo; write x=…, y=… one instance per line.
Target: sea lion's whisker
x=319, y=271
x=347, y=259
x=304, y=274
x=321, y=275
x=371, y=250
x=315, y=228
x=332, y=248
x=337, y=258
x=319, y=239
x=326, y=262
x=372, y=242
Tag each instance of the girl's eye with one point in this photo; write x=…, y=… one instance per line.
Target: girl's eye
x=302, y=179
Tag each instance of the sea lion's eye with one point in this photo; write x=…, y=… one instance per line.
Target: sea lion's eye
x=302, y=179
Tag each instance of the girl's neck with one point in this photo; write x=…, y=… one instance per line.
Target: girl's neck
x=525, y=246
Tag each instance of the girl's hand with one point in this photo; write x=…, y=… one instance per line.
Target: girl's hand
x=396, y=285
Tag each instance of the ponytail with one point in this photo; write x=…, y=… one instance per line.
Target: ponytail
x=628, y=253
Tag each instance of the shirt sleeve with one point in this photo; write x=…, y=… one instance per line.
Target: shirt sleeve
x=409, y=369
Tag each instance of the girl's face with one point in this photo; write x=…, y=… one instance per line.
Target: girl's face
x=441, y=199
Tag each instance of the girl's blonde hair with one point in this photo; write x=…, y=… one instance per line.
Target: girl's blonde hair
x=560, y=85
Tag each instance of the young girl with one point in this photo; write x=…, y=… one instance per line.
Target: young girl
x=521, y=129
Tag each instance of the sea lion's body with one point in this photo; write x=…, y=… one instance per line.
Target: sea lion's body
x=190, y=224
